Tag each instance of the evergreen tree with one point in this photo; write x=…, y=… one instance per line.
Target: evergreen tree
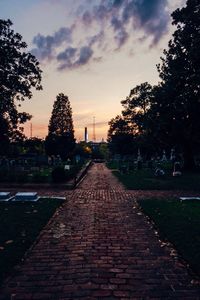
x=60, y=139
x=19, y=72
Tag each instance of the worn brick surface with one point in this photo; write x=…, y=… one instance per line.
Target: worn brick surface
x=100, y=246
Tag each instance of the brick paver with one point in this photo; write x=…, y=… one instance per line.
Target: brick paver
x=100, y=178
x=100, y=246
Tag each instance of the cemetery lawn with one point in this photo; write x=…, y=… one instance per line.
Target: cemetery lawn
x=20, y=225
x=146, y=180
x=179, y=223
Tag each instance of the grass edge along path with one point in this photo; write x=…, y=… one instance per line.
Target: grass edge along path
x=146, y=180
x=178, y=222
x=21, y=224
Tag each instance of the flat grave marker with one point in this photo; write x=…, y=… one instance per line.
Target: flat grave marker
x=189, y=198
x=5, y=196
x=26, y=196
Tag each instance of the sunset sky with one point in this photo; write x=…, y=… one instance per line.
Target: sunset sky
x=94, y=51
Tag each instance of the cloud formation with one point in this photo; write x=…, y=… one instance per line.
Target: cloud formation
x=46, y=45
x=152, y=17
x=72, y=58
x=101, y=26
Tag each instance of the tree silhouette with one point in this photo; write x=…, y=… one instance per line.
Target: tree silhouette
x=60, y=139
x=167, y=115
x=136, y=107
x=19, y=72
x=180, y=87
x=120, y=136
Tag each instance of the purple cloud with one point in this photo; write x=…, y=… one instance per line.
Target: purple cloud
x=87, y=18
x=84, y=57
x=149, y=16
x=152, y=17
x=115, y=22
x=45, y=45
x=73, y=58
x=121, y=36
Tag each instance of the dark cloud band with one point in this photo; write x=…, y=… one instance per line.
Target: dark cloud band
x=116, y=19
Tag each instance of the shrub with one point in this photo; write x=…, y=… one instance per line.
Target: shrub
x=58, y=175
x=38, y=177
x=3, y=176
x=21, y=177
x=71, y=173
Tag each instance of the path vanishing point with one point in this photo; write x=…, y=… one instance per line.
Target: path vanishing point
x=99, y=245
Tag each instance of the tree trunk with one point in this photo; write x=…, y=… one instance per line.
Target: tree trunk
x=188, y=156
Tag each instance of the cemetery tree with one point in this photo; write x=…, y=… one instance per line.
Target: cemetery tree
x=19, y=72
x=159, y=130
x=180, y=74
x=136, y=107
x=138, y=114
x=34, y=146
x=120, y=136
x=60, y=139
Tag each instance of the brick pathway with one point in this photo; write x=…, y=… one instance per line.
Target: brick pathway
x=100, y=246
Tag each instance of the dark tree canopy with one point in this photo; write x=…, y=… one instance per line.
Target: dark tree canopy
x=120, y=136
x=136, y=107
x=19, y=72
x=132, y=130
x=180, y=87
x=60, y=139
x=168, y=114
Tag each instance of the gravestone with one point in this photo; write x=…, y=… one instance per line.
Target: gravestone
x=50, y=161
x=159, y=171
x=177, y=169
x=139, y=157
x=172, y=154
x=164, y=157
x=139, y=160
x=77, y=158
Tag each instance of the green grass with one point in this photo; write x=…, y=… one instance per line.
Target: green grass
x=20, y=225
x=113, y=164
x=178, y=222
x=146, y=180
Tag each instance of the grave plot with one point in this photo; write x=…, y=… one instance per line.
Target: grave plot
x=5, y=196
x=189, y=198
x=26, y=196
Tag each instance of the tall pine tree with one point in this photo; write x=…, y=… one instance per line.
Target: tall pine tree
x=60, y=139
